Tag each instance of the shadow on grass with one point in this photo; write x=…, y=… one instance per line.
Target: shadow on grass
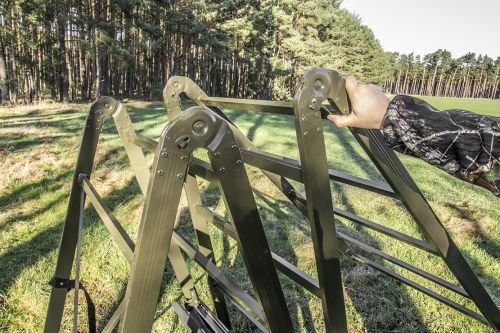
x=278, y=234
x=36, y=113
x=25, y=254
x=366, y=288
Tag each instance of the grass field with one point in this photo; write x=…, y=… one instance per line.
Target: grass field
x=38, y=148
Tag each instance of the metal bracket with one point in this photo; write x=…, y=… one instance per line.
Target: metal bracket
x=62, y=283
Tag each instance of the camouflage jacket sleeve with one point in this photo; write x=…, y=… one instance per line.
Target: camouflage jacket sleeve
x=464, y=144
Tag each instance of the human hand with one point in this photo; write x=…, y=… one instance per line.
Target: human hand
x=369, y=105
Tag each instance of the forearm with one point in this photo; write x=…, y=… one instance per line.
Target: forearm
x=460, y=142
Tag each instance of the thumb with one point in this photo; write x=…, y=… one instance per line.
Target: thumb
x=343, y=120
x=350, y=85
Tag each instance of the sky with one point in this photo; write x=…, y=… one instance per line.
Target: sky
x=424, y=26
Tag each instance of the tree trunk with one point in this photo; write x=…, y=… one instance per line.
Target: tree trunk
x=61, y=51
x=4, y=83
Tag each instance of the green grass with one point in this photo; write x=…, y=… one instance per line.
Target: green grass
x=38, y=147
x=483, y=106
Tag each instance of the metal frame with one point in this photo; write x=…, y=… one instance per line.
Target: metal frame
x=174, y=168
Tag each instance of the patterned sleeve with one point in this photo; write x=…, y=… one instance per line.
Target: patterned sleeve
x=464, y=144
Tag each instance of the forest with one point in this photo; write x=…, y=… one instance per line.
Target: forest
x=79, y=50
x=438, y=74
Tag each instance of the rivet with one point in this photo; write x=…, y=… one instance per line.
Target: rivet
x=160, y=172
x=337, y=99
x=184, y=158
x=222, y=170
x=164, y=154
x=318, y=85
x=173, y=94
x=228, y=132
x=180, y=175
x=318, y=129
x=217, y=154
x=303, y=118
x=234, y=146
x=306, y=133
x=239, y=162
x=107, y=105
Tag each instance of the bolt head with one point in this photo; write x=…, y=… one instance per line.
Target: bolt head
x=199, y=127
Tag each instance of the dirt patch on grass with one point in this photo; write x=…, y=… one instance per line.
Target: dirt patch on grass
x=30, y=166
x=106, y=179
x=25, y=130
x=463, y=221
x=42, y=108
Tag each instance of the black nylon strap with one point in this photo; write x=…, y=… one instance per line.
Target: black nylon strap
x=68, y=284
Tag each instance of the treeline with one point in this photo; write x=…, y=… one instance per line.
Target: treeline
x=438, y=74
x=79, y=50
x=72, y=50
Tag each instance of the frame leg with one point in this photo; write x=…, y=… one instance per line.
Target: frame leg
x=155, y=233
x=306, y=105
x=205, y=245
x=101, y=109
x=238, y=196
